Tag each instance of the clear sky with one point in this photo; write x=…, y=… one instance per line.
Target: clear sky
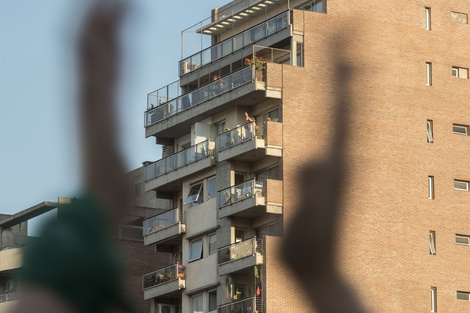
x=39, y=154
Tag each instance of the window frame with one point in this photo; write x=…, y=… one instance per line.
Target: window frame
x=432, y=242
x=214, y=249
x=430, y=134
x=208, y=188
x=427, y=18
x=457, y=181
x=464, y=127
x=201, y=295
x=209, y=302
x=199, y=197
x=191, y=247
x=463, y=293
x=462, y=236
x=431, y=194
x=428, y=73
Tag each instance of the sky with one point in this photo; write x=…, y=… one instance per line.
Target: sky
x=38, y=127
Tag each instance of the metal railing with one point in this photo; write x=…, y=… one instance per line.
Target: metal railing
x=163, y=275
x=177, y=160
x=240, y=250
x=162, y=221
x=272, y=55
x=236, y=136
x=239, y=192
x=243, y=306
x=234, y=43
x=8, y=297
x=193, y=98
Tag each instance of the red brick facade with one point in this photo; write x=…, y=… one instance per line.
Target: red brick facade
x=383, y=235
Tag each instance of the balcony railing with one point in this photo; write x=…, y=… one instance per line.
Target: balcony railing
x=177, y=160
x=235, y=43
x=242, y=306
x=191, y=99
x=163, y=275
x=236, y=136
x=8, y=297
x=163, y=221
x=239, y=192
x=240, y=250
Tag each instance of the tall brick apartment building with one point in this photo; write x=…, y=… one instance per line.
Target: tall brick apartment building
x=258, y=104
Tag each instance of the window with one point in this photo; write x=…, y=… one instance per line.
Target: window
x=240, y=234
x=313, y=6
x=432, y=242
x=462, y=240
x=195, y=194
x=457, y=17
x=433, y=299
x=220, y=127
x=270, y=230
x=429, y=73
x=462, y=295
x=195, y=252
x=460, y=129
x=427, y=17
x=212, y=300
x=270, y=173
x=211, y=188
x=431, y=187
x=430, y=134
x=196, y=304
x=459, y=72
x=212, y=244
x=461, y=185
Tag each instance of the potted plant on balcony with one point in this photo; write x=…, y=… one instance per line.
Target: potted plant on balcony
x=257, y=62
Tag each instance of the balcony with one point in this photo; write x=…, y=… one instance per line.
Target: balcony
x=165, y=228
x=240, y=256
x=250, y=85
x=251, y=199
x=249, y=305
x=236, y=43
x=250, y=142
x=166, y=174
x=166, y=282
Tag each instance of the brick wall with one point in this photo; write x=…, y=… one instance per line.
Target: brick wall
x=274, y=134
x=139, y=260
x=382, y=238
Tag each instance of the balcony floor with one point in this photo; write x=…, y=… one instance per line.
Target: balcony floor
x=248, y=151
x=240, y=264
x=168, y=290
x=249, y=208
x=168, y=236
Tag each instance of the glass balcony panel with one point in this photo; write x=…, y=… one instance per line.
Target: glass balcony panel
x=238, y=192
x=163, y=275
x=216, y=52
x=198, y=96
x=237, y=251
x=205, y=56
x=161, y=221
x=242, y=306
x=235, y=136
x=227, y=47
x=177, y=160
x=239, y=41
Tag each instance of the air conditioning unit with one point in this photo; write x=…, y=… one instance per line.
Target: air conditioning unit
x=165, y=308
